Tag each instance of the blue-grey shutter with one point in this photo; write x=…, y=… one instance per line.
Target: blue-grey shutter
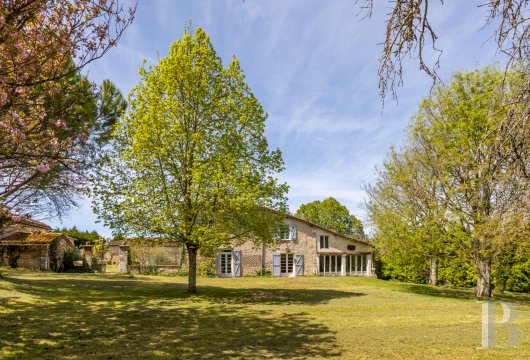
x=292, y=232
x=276, y=264
x=236, y=258
x=217, y=264
x=299, y=264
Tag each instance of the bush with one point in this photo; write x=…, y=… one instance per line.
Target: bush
x=181, y=272
x=263, y=272
x=144, y=269
x=519, y=280
x=206, y=267
x=68, y=261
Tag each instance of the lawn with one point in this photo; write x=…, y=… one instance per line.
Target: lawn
x=103, y=316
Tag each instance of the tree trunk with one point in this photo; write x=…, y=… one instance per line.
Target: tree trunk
x=192, y=276
x=433, y=274
x=484, y=286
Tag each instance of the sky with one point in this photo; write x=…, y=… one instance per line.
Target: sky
x=312, y=64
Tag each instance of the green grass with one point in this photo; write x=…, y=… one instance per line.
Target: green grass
x=94, y=316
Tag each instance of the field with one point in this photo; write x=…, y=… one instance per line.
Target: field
x=89, y=316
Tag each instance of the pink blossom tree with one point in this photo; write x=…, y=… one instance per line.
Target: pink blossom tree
x=43, y=45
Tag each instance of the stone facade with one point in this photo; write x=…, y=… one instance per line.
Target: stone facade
x=305, y=247
x=35, y=251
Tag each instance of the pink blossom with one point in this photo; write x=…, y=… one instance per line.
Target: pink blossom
x=60, y=124
x=43, y=167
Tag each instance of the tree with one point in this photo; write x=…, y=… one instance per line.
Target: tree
x=454, y=181
x=409, y=34
x=43, y=45
x=190, y=161
x=332, y=215
x=483, y=193
x=405, y=206
x=82, y=237
x=81, y=117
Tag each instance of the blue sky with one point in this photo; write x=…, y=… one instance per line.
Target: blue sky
x=313, y=66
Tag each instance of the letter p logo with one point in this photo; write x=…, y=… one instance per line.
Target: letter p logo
x=488, y=323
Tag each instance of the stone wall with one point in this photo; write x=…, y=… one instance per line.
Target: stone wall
x=28, y=256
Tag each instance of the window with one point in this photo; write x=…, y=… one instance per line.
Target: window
x=330, y=264
x=356, y=264
x=226, y=263
x=324, y=241
x=287, y=232
x=286, y=263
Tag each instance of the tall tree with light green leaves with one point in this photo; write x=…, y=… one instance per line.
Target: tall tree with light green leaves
x=483, y=196
x=332, y=215
x=461, y=123
x=190, y=160
x=405, y=207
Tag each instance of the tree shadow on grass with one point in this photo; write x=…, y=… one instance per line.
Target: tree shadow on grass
x=111, y=319
x=462, y=293
x=142, y=331
x=124, y=290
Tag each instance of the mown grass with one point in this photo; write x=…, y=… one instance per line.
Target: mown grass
x=94, y=316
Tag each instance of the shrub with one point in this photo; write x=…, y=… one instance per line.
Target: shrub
x=144, y=269
x=263, y=272
x=180, y=272
x=519, y=280
x=68, y=261
x=206, y=267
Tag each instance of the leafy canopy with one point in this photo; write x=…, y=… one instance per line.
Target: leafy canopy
x=191, y=161
x=332, y=215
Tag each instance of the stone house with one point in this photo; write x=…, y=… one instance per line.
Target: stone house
x=21, y=225
x=27, y=243
x=303, y=248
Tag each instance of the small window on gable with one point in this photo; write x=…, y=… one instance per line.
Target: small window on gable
x=324, y=241
x=287, y=232
x=284, y=233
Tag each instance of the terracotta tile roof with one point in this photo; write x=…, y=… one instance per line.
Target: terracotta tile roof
x=25, y=221
x=20, y=238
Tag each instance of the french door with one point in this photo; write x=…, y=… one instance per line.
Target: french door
x=287, y=264
x=225, y=264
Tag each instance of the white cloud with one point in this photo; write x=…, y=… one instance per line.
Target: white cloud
x=313, y=66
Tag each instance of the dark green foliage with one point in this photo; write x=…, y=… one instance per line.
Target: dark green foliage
x=382, y=269
x=68, y=262
x=176, y=273
x=81, y=237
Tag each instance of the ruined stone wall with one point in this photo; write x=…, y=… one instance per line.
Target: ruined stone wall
x=57, y=252
x=25, y=256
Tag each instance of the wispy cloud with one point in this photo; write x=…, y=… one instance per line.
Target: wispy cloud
x=313, y=66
